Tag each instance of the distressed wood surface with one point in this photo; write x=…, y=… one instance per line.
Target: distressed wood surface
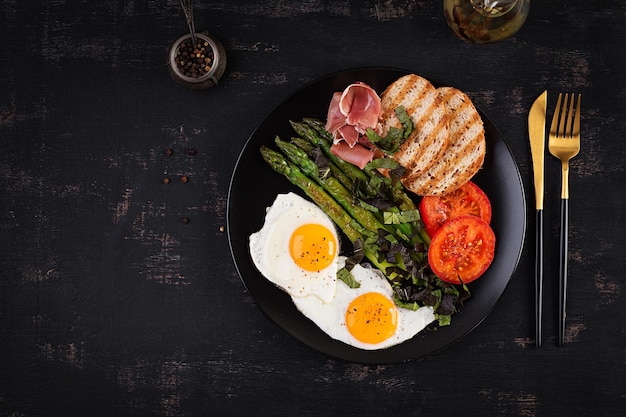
x=111, y=305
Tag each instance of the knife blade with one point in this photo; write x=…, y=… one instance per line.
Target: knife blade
x=537, y=136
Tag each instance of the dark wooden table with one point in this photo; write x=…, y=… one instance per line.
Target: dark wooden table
x=112, y=305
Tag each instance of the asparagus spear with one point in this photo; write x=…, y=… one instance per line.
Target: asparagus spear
x=302, y=143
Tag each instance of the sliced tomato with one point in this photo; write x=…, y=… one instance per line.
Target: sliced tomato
x=467, y=200
x=462, y=249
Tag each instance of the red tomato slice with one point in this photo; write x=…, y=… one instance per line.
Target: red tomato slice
x=467, y=200
x=462, y=249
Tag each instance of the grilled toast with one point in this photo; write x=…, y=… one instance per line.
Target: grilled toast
x=465, y=154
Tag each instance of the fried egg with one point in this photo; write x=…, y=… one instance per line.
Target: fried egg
x=297, y=248
x=365, y=317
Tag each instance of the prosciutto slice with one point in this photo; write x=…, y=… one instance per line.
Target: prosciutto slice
x=351, y=112
x=361, y=105
x=348, y=134
x=357, y=155
x=335, y=120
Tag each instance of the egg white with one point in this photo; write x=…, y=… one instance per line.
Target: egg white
x=269, y=249
x=330, y=316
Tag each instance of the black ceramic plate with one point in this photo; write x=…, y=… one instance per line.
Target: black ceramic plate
x=254, y=187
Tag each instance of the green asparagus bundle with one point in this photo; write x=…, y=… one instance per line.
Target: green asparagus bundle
x=368, y=182
x=373, y=211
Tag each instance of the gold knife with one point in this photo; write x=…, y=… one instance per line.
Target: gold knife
x=537, y=135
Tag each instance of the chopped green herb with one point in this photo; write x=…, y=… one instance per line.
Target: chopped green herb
x=346, y=276
x=443, y=320
x=407, y=123
x=391, y=143
x=407, y=216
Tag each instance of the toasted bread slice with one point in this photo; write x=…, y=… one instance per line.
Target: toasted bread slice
x=430, y=135
x=465, y=155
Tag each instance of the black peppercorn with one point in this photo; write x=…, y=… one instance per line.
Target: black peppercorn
x=194, y=62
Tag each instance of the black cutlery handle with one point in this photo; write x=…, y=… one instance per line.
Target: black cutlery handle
x=539, y=279
x=563, y=268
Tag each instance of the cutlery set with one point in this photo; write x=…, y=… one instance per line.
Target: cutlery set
x=563, y=144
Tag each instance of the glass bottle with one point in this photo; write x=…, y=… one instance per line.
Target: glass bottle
x=485, y=21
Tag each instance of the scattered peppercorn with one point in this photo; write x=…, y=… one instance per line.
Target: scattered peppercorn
x=169, y=151
x=194, y=62
x=185, y=220
x=166, y=180
x=184, y=179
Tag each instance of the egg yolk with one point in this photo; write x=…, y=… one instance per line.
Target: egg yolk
x=313, y=247
x=372, y=318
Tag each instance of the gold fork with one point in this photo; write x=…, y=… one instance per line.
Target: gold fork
x=564, y=143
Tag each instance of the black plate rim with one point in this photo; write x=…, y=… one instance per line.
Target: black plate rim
x=387, y=356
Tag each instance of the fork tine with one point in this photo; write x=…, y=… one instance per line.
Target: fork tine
x=555, y=118
x=570, y=118
x=576, y=127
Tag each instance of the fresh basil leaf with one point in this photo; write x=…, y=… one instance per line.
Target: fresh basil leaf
x=412, y=305
x=389, y=217
x=386, y=163
x=443, y=320
x=368, y=207
x=407, y=123
x=399, y=217
x=390, y=143
x=346, y=276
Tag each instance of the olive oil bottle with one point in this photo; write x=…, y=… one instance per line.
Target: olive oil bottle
x=485, y=21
